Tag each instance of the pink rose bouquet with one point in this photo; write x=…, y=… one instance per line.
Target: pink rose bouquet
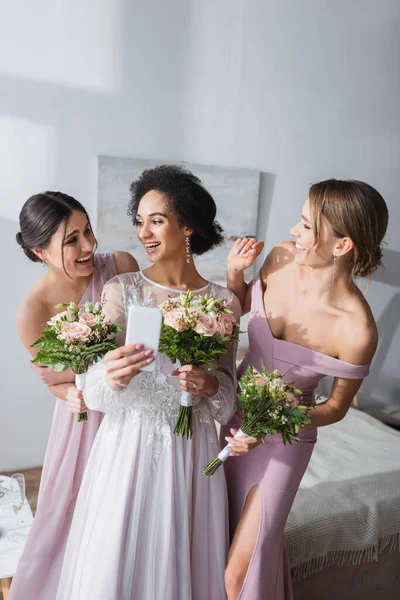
x=195, y=331
x=75, y=337
x=265, y=402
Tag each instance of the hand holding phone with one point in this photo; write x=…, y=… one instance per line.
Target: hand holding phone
x=143, y=327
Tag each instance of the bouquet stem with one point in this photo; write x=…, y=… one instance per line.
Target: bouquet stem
x=80, y=380
x=212, y=466
x=225, y=453
x=183, y=425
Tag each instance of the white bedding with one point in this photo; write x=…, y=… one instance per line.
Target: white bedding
x=347, y=509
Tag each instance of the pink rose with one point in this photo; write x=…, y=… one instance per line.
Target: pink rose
x=176, y=319
x=226, y=323
x=87, y=318
x=206, y=324
x=261, y=380
x=75, y=332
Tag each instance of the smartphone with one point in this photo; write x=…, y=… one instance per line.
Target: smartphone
x=143, y=327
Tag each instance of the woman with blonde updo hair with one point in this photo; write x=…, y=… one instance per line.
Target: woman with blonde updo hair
x=355, y=210
x=308, y=319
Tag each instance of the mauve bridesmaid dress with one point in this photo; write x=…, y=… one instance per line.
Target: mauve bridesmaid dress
x=276, y=469
x=67, y=451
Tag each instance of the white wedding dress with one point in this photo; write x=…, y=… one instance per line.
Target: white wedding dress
x=148, y=524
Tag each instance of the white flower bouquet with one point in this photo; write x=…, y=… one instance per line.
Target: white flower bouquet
x=74, y=338
x=267, y=408
x=195, y=331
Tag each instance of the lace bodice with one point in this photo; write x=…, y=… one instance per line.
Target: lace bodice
x=155, y=392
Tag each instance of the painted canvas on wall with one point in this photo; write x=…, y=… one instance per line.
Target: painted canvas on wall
x=236, y=192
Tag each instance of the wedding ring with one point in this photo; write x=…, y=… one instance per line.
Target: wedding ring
x=194, y=385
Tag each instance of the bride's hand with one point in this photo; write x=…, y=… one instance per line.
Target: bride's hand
x=125, y=363
x=243, y=445
x=244, y=253
x=196, y=380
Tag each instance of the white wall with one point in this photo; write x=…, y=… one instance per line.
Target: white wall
x=302, y=90
x=305, y=90
x=77, y=79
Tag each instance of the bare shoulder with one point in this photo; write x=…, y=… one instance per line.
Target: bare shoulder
x=357, y=332
x=125, y=262
x=31, y=306
x=278, y=258
x=31, y=315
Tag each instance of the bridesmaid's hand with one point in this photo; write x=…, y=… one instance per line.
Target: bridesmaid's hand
x=243, y=445
x=49, y=377
x=75, y=401
x=196, y=380
x=244, y=253
x=123, y=364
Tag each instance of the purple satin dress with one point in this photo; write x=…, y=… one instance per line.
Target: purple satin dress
x=276, y=469
x=67, y=451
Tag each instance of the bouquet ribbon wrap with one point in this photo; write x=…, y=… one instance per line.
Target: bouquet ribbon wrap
x=186, y=399
x=226, y=452
x=80, y=380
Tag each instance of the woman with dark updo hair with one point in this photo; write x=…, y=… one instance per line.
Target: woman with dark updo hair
x=148, y=525
x=56, y=231
x=308, y=319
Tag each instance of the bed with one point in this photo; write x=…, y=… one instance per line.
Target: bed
x=343, y=532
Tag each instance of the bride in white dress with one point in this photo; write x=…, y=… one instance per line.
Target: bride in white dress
x=148, y=525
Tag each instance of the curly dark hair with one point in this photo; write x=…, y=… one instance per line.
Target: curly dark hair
x=192, y=204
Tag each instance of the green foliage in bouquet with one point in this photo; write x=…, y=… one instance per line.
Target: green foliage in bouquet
x=75, y=337
x=191, y=348
x=185, y=341
x=267, y=408
x=56, y=356
x=195, y=331
x=264, y=403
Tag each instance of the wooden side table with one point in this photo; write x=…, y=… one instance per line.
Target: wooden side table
x=10, y=552
x=5, y=586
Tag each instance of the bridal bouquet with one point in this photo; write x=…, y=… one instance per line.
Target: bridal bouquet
x=266, y=409
x=75, y=337
x=195, y=331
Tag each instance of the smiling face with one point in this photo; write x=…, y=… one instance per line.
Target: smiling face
x=328, y=244
x=158, y=228
x=77, y=244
